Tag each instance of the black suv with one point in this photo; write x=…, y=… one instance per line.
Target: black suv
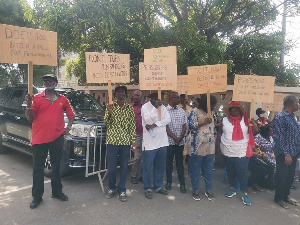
x=16, y=131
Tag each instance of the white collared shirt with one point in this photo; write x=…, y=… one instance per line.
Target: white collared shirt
x=150, y=116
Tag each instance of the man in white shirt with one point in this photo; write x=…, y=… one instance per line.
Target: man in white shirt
x=155, y=142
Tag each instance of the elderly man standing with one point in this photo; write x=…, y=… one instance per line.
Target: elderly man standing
x=155, y=142
x=137, y=149
x=119, y=118
x=176, y=131
x=46, y=112
x=287, y=149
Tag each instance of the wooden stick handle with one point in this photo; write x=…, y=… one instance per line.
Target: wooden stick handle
x=208, y=105
x=159, y=107
x=30, y=78
x=251, y=109
x=110, y=99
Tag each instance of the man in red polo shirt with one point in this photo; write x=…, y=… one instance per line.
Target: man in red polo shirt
x=46, y=112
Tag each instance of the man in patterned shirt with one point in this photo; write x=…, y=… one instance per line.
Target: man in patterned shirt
x=176, y=131
x=287, y=149
x=119, y=118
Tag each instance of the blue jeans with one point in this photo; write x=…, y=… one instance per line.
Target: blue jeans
x=113, y=151
x=157, y=159
x=237, y=169
x=196, y=162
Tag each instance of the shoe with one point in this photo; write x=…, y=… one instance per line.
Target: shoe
x=134, y=180
x=35, y=202
x=209, y=196
x=282, y=204
x=161, y=191
x=149, y=194
x=291, y=202
x=293, y=187
x=257, y=188
x=168, y=186
x=60, y=196
x=182, y=188
x=123, y=197
x=230, y=193
x=196, y=196
x=246, y=199
x=110, y=193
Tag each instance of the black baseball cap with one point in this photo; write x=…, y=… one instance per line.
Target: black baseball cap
x=121, y=87
x=50, y=76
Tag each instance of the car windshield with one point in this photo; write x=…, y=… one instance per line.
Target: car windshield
x=83, y=101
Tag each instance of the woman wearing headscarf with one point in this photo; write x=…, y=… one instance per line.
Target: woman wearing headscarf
x=235, y=141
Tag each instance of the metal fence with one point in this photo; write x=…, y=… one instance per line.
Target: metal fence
x=96, y=153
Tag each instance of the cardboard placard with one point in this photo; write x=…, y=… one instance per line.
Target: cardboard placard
x=277, y=104
x=21, y=45
x=101, y=67
x=211, y=78
x=162, y=55
x=183, y=84
x=258, y=88
x=153, y=76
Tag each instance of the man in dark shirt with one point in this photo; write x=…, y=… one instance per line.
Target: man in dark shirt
x=46, y=112
x=287, y=149
x=137, y=149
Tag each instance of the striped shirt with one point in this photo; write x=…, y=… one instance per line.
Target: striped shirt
x=178, y=119
x=120, y=125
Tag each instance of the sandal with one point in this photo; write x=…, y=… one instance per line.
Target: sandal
x=257, y=188
x=291, y=202
x=250, y=190
x=282, y=204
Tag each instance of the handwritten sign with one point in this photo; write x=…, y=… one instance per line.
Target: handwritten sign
x=153, y=76
x=211, y=78
x=258, y=88
x=101, y=67
x=21, y=45
x=277, y=104
x=182, y=84
x=163, y=55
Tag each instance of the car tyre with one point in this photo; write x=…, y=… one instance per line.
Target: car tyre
x=63, y=168
x=3, y=149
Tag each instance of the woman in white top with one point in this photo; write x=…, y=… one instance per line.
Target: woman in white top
x=235, y=141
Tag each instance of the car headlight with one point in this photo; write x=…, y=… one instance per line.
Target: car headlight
x=81, y=130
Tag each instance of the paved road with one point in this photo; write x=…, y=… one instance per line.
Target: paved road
x=88, y=205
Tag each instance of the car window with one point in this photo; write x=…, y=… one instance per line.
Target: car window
x=4, y=95
x=16, y=99
x=83, y=101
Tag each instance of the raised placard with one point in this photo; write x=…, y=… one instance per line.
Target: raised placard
x=102, y=67
x=21, y=45
x=277, y=104
x=162, y=55
x=211, y=78
x=258, y=88
x=183, y=84
x=153, y=76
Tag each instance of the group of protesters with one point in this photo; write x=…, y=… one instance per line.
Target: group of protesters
x=160, y=135
x=157, y=134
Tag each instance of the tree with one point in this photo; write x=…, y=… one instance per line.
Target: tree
x=15, y=12
x=206, y=32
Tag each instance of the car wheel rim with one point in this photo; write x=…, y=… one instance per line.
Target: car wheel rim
x=48, y=163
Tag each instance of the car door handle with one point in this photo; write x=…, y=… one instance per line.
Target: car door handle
x=17, y=117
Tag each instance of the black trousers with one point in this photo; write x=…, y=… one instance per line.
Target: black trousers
x=40, y=152
x=284, y=177
x=258, y=172
x=177, y=151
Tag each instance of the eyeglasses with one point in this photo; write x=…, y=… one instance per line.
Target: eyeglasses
x=48, y=80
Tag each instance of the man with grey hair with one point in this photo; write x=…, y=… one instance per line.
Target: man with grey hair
x=287, y=150
x=137, y=149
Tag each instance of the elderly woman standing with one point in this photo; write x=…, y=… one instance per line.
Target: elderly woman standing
x=235, y=141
